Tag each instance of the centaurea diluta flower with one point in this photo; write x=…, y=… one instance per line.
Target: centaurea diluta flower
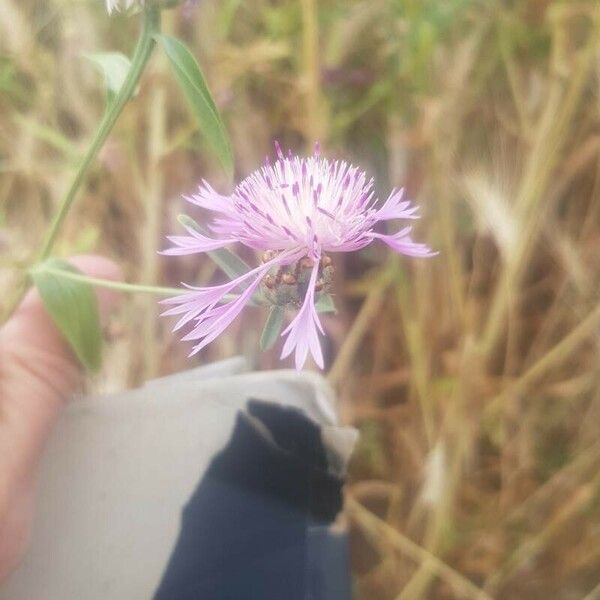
x=295, y=211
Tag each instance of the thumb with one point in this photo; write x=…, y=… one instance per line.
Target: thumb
x=38, y=370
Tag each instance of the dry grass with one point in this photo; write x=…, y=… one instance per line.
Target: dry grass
x=473, y=377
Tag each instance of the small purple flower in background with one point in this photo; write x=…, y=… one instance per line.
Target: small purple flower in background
x=295, y=212
x=189, y=8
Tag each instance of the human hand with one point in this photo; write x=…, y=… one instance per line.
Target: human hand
x=38, y=372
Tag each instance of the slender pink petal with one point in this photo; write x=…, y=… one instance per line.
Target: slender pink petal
x=208, y=198
x=397, y=208
x=403, y=244
x=214, y=325
x=193, y=304
x=302, y=334
x=186, y=245
x=194, y=242
x=200, y=302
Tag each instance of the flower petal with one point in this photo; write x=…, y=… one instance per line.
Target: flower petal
x=396, y=208
x=194, y=243
x=193, y=304
x=212, y=326
x=402, y=243
x=302, y=331
x=211, y=200
x=201, y=302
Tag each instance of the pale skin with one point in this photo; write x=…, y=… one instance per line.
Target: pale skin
x=38, y=373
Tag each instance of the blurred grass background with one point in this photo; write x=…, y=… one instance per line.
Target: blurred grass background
x=474, y=376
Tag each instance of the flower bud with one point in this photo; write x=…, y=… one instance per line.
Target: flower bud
x=269, y=281
x=268, y=255
x=327, y=274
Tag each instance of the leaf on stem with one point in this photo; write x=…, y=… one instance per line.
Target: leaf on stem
x=325, y=304
x=114, y=66
x=272, y=328
x=73, y=308
x=192, y=83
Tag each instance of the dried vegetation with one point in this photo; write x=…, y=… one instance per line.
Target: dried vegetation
x=474, y=377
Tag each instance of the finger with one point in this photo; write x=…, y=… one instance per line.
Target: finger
x=38, y=370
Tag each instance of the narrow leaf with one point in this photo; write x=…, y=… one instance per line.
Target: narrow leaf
x=272, y=328
x=73, y=308
x=114, y=66
x=325, y=304
x=192, y=83
x=231, y=264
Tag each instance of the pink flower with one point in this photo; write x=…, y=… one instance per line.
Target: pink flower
x=296, y=211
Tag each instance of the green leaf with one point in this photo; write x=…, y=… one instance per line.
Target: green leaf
x=325, y=304
x=114, y=66
x=231, y=264
x=192, y=83
x=272, y=328
x=73, y=308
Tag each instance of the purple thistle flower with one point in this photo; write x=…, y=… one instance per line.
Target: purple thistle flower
x=295, y=210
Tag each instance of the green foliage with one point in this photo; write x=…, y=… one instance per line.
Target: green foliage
x=18, y=90
x=272, y=327
x=192, y=83
x=8, y=75
x=114, y=66
x=73, y=308
x=325, y=304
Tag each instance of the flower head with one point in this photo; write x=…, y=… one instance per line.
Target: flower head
x=296, y=211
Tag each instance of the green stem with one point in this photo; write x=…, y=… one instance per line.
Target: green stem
x=141, y=55
x=139, y=60
x=111, y=285
x=119, y=286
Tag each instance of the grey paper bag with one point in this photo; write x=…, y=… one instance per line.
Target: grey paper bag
x=121, y=471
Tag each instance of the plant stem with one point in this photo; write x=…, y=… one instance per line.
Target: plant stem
x=112, y=285
x=551, y=360
x=150, y=329
x=315, y=122
x=120, y=286
x=141, y=55
x=139, y=60
x=369, y=310
x=377, y=530
x=551, y=136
